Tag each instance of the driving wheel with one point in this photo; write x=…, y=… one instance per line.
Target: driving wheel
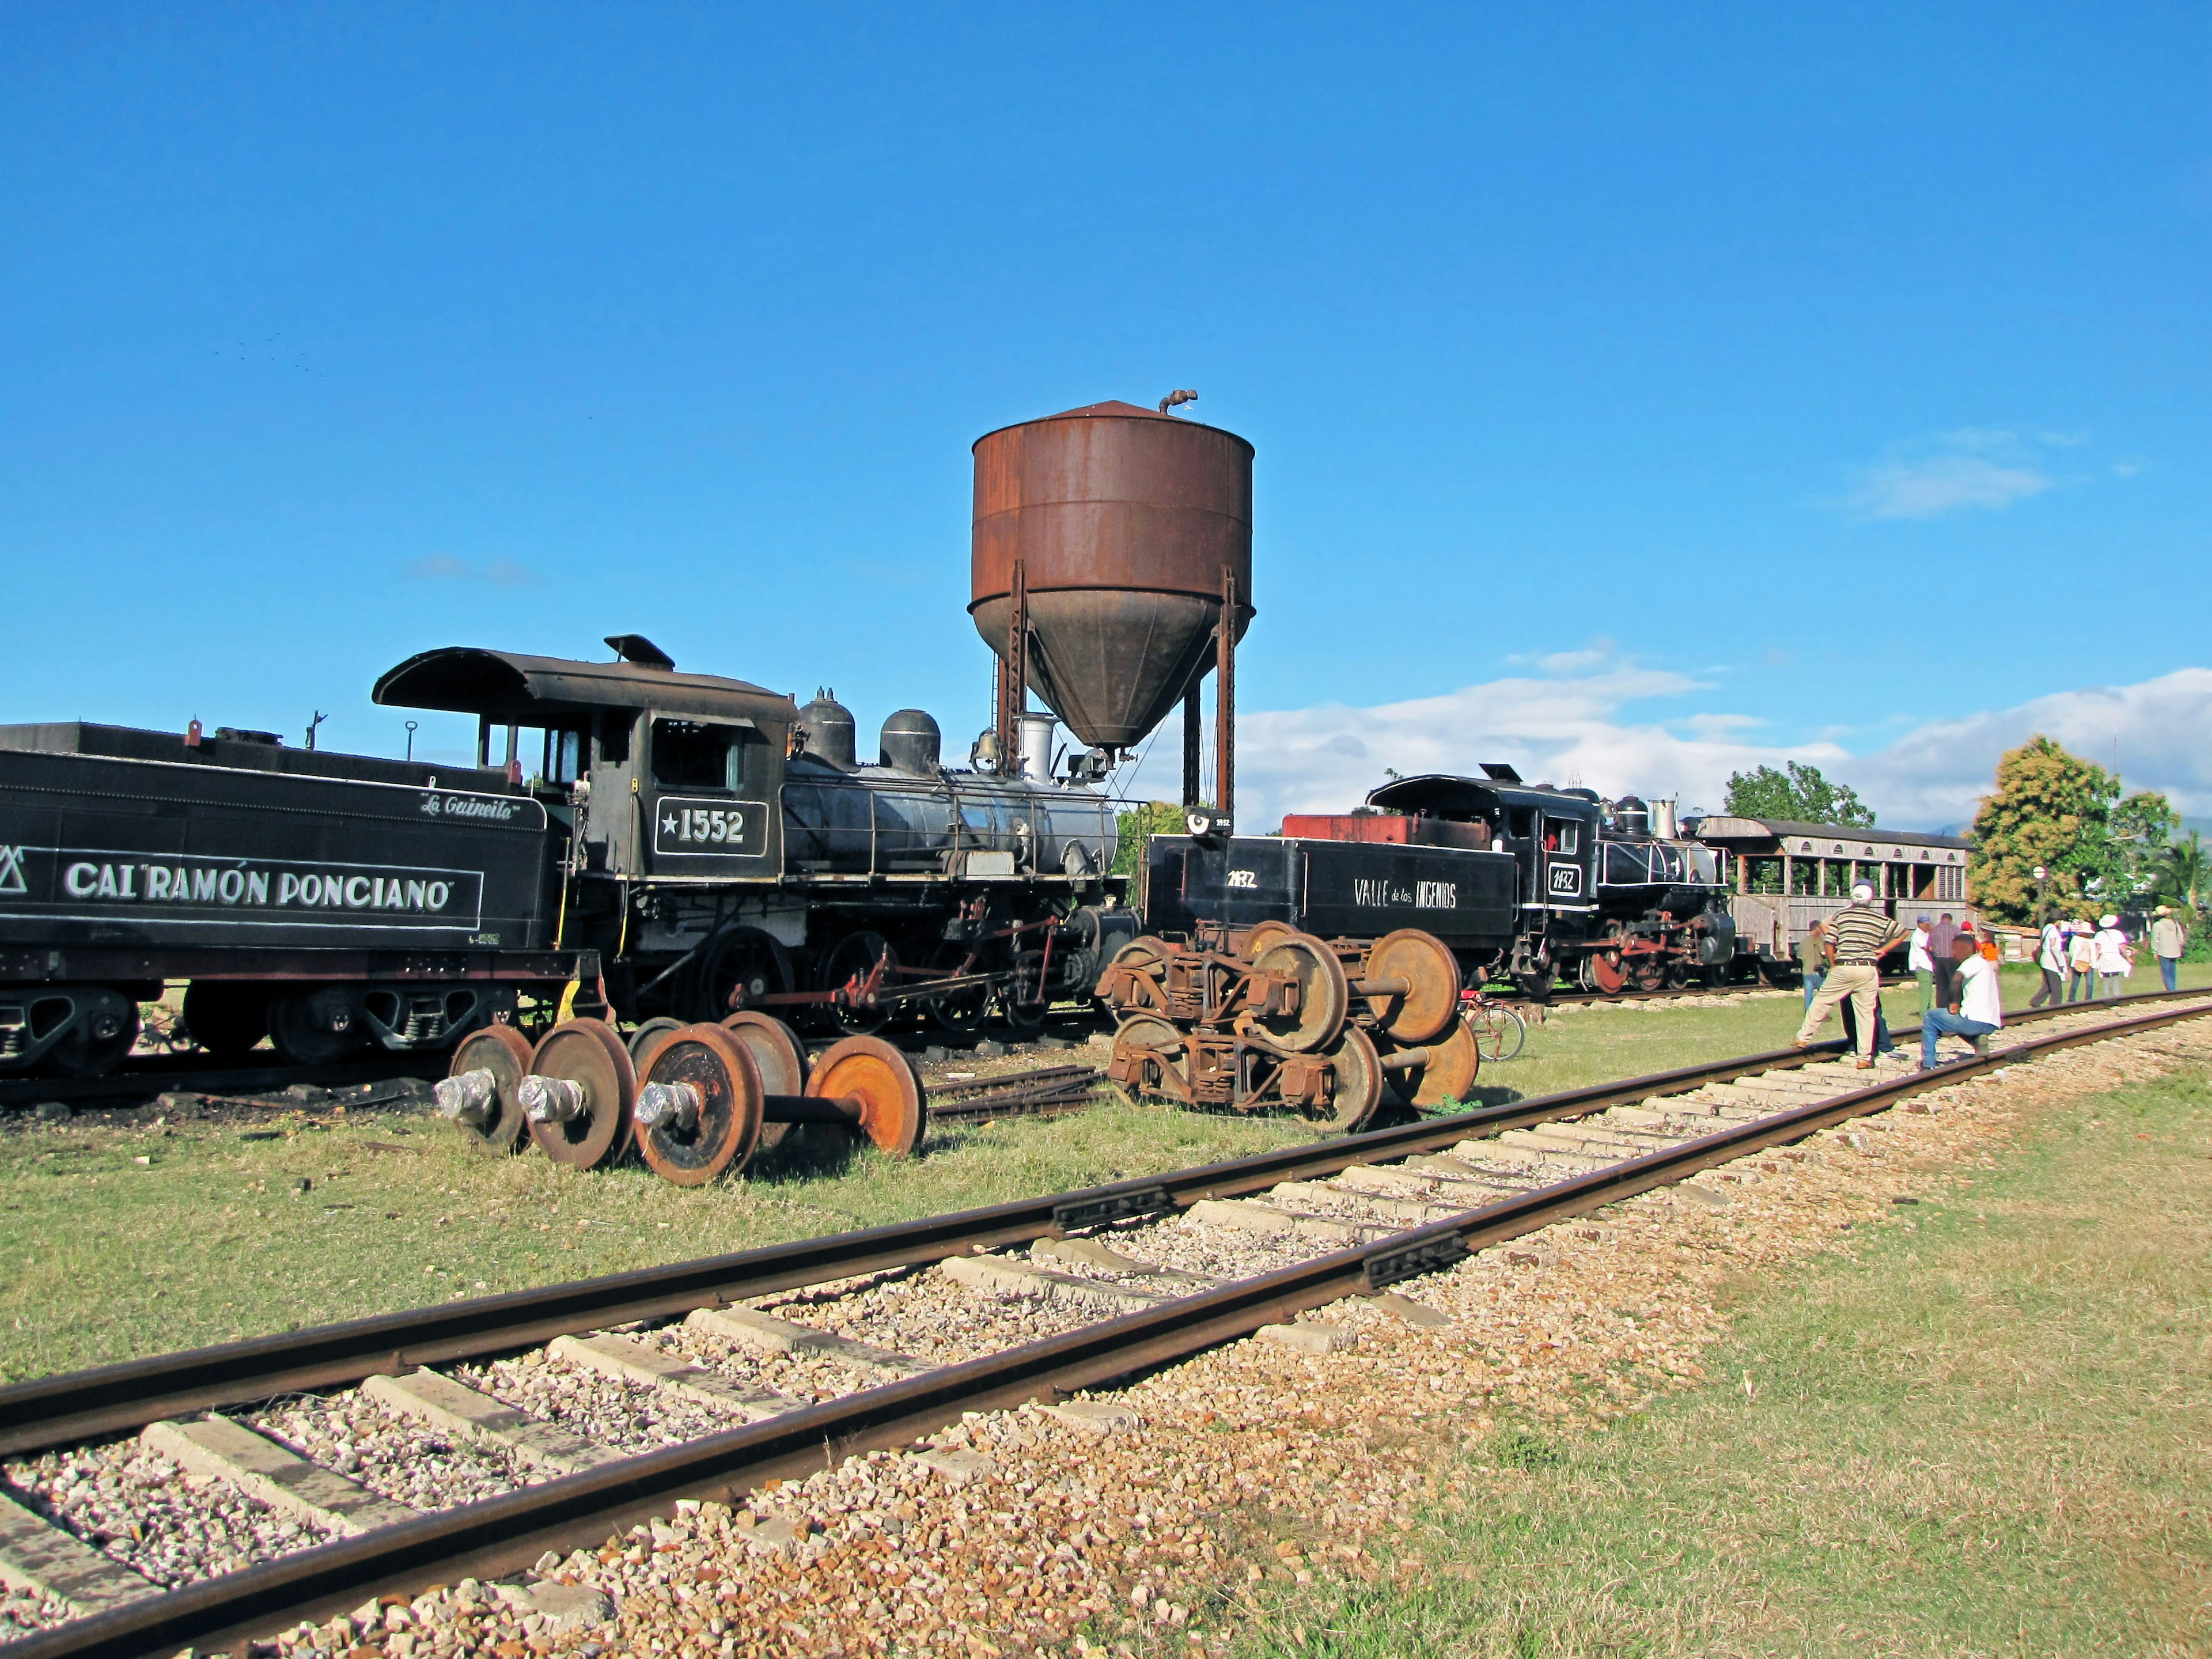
x=853, y=959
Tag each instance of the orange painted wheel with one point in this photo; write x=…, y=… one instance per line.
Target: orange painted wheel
x=586, y=1122
x=698, y=1113
x=878, y=1077
x=778, y=1053
x=496, y=1125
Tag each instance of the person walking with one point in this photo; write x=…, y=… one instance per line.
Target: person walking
x=2167, y=942
x=1941, y=937
x=2081, y=961
x=1979, y=1012
x=1813, y=959
x=1859, y=936
x=2051, y=962
x=1922, y=964
x=2116, y=957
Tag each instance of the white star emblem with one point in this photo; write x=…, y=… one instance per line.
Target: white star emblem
x=668, y=825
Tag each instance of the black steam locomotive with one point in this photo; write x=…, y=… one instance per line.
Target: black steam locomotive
x=651, y=841
x=1522, y=881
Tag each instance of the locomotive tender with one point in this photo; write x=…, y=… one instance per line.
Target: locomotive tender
x=1519, y=880
x=673, y=843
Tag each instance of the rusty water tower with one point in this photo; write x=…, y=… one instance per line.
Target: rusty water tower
x=1110, y=544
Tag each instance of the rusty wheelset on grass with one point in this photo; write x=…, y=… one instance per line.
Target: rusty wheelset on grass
x=1270, y=1016
x=695, y=1101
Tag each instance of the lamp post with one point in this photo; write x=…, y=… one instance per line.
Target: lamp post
x=2042, y=895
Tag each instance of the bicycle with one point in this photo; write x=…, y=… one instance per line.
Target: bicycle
x=1499, y=1030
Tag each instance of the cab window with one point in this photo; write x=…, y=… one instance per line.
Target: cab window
x=1565, y=836
x=701, y=754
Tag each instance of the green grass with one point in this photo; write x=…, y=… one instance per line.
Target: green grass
x=1986, y=1435
x=212, y=1240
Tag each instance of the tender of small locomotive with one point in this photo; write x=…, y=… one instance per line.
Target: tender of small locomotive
x=1521, y=881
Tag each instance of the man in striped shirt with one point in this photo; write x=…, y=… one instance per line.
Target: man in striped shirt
x=1858, y=936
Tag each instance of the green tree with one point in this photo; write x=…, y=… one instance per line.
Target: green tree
x=1798, y=795
x=2140, y=831
x=2049, y=808
x=2183, y=878
x=1147, y=817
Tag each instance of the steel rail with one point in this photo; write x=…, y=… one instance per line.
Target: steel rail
x=500, y=1535
x=77, y=1406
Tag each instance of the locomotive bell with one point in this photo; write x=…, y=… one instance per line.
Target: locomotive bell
x=1128, y=525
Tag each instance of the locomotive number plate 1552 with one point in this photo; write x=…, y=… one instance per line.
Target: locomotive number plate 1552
x=685, y=828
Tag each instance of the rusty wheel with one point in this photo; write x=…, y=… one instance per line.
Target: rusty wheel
x=869, y=1070
x=478, y=1092
x=1150, y=1059
x=1324, y=996
x=580, y=1094
x=699, y=1106
x=1264, y=935
x=1430, y=973
x=854, y=958
x=1131, y=970
x=649, y=1038
x=1356, y=1088
x=1455, y=1057
x=778, y=1055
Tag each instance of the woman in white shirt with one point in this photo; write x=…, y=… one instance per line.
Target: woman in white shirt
x=2081, y=962
x=2116, y=958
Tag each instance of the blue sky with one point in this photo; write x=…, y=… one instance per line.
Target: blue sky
x=1765, y=383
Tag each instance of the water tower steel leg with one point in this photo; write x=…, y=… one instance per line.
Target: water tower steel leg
x=1014, y=676
x=1225, y=701
x=1192, y=725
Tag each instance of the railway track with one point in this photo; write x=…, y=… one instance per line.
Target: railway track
x=779, y=1362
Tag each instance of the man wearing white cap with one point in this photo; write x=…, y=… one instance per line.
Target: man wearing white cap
x=2167, y=942
x=1858, y=937
x=2116, y=960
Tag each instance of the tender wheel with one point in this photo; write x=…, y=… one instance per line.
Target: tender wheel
x=698, y=1111
x=961, y=1010
x=226, y=1019
x=1422, y=960
x=1454, y=1059
x=1150, y=1059
x=103, y=1026
x=778, y=1055
x=649, y=1038
x=1257, y=942
x=1356, y=1088
x=1324, y=996
x=853, y=959
x=492, y=1120
x=584, y=1120
x=316, y=1028
x=879, y=1076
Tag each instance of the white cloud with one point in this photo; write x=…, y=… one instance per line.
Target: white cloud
x=1972, y=467
x=1584, y=727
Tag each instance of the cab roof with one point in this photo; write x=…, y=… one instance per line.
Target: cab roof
x=512, y=690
